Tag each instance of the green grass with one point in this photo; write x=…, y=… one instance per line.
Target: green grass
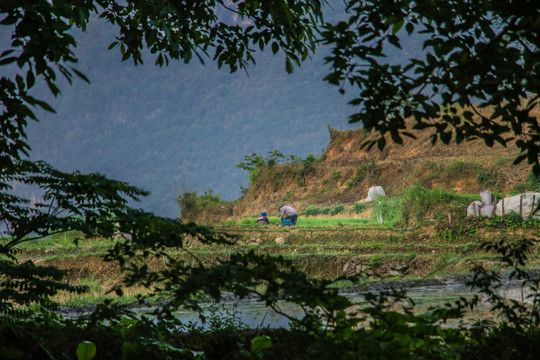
x=95, y=293
x=66, y=241
x=417, y=204
x=306, y=222
x=323, y=238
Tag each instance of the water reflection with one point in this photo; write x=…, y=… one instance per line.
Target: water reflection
x=256, y=315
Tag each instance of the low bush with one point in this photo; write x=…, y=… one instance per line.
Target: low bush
x=388, y=210
x=339, y=208
x=192, y=205
x=520, y=188
x=457, y=168
x=375, y=261
x=359, y=207
x=533, y=182
x=364, y=171
x=312, y=210
x=315, y=210
x=486, y=177
x=306, y=166
x=326, y=210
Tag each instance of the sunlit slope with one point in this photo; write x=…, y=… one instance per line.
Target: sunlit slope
x=347, y=170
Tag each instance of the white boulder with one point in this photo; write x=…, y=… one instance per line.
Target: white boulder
x=484, y=207
x=485, y=197
x=527, y=204
x=374, y=192
x=474, y=208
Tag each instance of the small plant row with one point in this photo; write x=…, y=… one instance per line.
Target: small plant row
x=339, y=208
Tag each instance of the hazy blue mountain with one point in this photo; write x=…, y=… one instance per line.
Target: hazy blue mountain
x=184, y=127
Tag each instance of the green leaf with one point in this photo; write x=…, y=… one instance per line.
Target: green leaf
x=86, y=350
x=396, y=138
x=275, y=47
x=30, y=79
x=381, y=143
x=397, y=26
x=445, y=136
x=81, y=75
x=410, y=28
x=468, y=115
x=288, y=66
x=394, y=40
x=261, y=342
x=6, y=53
x=45, y=106
x=8, y=60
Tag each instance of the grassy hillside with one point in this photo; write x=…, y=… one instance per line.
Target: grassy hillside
x=347, y=170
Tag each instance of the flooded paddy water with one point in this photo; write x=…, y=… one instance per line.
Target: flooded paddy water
x=254, y=314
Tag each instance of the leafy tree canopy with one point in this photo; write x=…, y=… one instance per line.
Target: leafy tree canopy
x=477, y=52
x=41, y=48
x=478, y=76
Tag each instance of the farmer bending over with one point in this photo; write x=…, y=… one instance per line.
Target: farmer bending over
x=288, y=213
x=263, y=219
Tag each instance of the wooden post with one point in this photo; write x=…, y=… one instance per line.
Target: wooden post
x=502, y=202
x=449, y=218
x=494, y=205
x=532, y=205
x=520, y=204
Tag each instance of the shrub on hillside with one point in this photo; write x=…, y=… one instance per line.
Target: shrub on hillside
x=486, y=177
x=326, y=210
x=192, y=205
x=312, y=210
x=359, y=207
x=364, y=171
x=337, y=209
x=315, y=210
x=457, y=168
x=533, y=182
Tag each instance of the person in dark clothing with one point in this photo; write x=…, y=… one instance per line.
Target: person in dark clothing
x=263, y=219
x=288, y=213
